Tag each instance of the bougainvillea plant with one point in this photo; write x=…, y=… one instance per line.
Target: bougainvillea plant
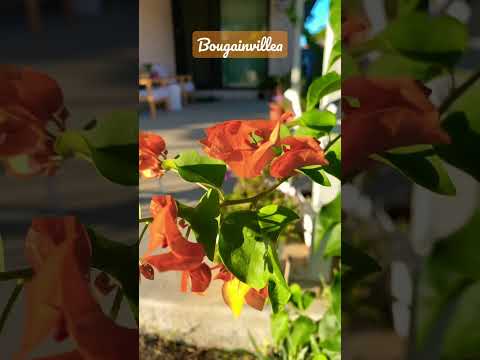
x=205, y=242
x=67, y=259
x=392, y=117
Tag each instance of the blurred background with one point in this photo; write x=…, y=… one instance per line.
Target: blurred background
x=91, y=48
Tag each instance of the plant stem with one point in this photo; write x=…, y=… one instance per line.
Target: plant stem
x=145, y=220
x=117, y=302
x=253, y=198
x=332, y=142
x=458, y=92
x=143, y=232
x=11, y=301
x=16, y=274
x=292, y=123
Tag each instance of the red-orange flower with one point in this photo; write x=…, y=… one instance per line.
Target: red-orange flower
x=184, y=255
x=151, y=148
x=95, y=335
x=354, y=28
x=391, y=113
x=20, y=132
x=51, y=244
x=298, y=152
x=33, y=91
x=41, y=161
x=245, y=145
x=278, y=113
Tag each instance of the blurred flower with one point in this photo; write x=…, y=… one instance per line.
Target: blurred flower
x=32, y=91
x=278, y=113
x=236, y=294
x=28, y=101
x=387, y=113
x=298, y=152
x=184, y=255
x=245, y=145
x=96, y=335
x=52, y=244
x=151, y=148
x=42, y=161
x=354, y=29
x=20, y=132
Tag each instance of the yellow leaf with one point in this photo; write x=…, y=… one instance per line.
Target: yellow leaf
x=234, y=292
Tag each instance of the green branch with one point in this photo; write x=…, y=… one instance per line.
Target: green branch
x=16, y=274
x=332, y=142
x=253, y=198
x=458, y=92
x=11, y=301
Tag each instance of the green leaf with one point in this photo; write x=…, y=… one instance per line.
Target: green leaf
x=316, y=174
x=390, y=65
x=71, y=143
x=335, y=19
x=273, y=219
x=195, y=168
x=279, y=324
x=320, y=87
x=118, y=164
x=119, y=261
x=305, y=131
x=246, y=248
x=464, y=150
x=356, y=265
x=302, y=328
x=318, y=120
x=112, y=146
x=335, y=54
x=115, y=129
x=278, y=290
x=203, y=220
x=423, y=167
x=460, y=251
x=334, y=239
x=243, y=248
x=326, y=221
x=299, y=298
x=334, y=157
x=434, y=39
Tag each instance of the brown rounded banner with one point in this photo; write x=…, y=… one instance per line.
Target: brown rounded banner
x=240, y=44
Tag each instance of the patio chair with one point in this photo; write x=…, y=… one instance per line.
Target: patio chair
x=187, y=86
x=153, y=95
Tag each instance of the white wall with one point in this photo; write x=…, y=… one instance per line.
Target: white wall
x=156, y=34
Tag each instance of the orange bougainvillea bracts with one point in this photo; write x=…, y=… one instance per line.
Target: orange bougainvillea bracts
x=28, y=101
x=277, y=113
x=33, y=91
x=20, y=132
x=236, y=294
x=95, y=335
x=183, y=255
x=151, y=149
x=297, y=152
x=354, y=29
x=391, y=113
x=51, y=244
x=245, y=145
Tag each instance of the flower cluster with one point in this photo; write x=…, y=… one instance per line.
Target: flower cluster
x=30, y=102
x=151, y=150
x=250, y=146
